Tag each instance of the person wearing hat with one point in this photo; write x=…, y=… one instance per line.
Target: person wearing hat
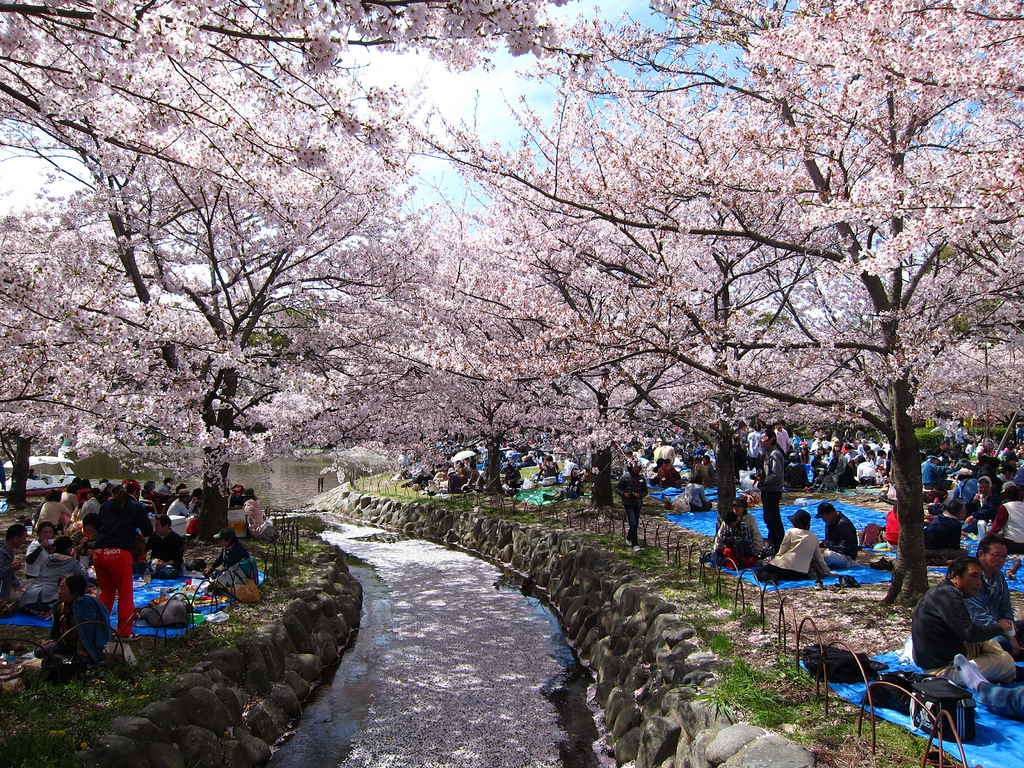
x=933, y=475
x=120, y=518
x=739, y=507
x=233, y=558
x=179, y=504
x=237, y=496
x=840, y=547
x=798, y=554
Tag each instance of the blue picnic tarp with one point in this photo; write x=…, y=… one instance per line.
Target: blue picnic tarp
x=999, y=742
x=862, y=573
x=142, y=594
x=706, y=522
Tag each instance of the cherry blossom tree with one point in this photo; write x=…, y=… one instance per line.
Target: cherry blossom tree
x=863, y=196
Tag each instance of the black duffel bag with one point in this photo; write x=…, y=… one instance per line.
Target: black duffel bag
x=840, y=663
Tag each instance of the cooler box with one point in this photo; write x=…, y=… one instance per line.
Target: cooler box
x=236, y=520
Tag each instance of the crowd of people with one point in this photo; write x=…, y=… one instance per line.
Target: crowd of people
x=99, y=537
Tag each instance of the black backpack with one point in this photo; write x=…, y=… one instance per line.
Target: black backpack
x=840, y=663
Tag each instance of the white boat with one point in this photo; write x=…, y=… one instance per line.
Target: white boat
x=50, y=472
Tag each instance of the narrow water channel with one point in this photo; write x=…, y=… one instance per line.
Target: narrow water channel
x=453, y=666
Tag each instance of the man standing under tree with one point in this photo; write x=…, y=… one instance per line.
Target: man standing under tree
x=633, y=488
x=771, y=485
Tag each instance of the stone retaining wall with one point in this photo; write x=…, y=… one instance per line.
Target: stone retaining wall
x=648, y=668
x=211, y=721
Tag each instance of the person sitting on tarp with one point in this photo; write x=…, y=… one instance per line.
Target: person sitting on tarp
x=234, y=559
x=840, y=546
x=1008, y=522
x=693, y=492
x=81, y=623
x=942, y=534
x=167, y=549
x=41, y=592
x=933, y=475
x=997, y=699
x=739, y=507
x=798, y=554
x=983, y=506
x=941, y=627
x=796, y=473
x=733, y=546
x=668, y=475
x=992, y=602
x=574, y=484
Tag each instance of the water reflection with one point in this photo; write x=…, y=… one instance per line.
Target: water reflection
x=283, y=483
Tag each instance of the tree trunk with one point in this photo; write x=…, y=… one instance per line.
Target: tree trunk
x=910, y=577
x=493, y=478
x=19, y=471
x=213, y=515
x=724, y=466
x=601, y=493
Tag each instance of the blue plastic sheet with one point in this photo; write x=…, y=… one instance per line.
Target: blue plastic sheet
x=142, y=594
x=999, y=742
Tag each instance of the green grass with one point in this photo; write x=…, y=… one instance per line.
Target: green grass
x=46, y=723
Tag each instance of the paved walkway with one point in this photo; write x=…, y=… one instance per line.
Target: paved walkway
x=462, y=667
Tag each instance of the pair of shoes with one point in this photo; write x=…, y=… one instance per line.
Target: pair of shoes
x=883, y=564
x=968, y=672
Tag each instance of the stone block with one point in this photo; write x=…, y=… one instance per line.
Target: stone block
x=659, y=738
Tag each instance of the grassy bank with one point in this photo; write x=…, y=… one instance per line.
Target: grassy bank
x=762, y=684
x=46, y=723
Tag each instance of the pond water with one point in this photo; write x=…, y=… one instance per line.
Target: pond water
x=282, y=483
x=453, y=666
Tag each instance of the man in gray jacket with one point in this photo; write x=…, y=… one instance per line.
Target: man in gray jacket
x=771, y=486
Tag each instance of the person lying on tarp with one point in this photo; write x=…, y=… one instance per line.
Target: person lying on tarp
x=798, y=554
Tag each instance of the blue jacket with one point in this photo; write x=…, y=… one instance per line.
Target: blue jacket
x=992, y=602
x=94, y=637
x=932, y=473
x=943, y=533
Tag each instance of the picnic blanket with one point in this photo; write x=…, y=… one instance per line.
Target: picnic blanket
x=142, y=594
x=539, y=496
x=707, y=522
x=862, y=573
x=999, y=742
x=667, y=494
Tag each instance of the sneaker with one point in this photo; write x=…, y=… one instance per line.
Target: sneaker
x=638, y=549
x=968, y=673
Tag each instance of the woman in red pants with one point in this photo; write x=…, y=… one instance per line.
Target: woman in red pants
x=120, y=517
